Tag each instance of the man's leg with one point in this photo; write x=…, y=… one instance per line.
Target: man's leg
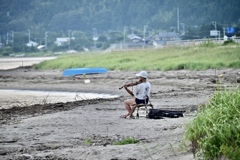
x=128, y=103
x=133, y=109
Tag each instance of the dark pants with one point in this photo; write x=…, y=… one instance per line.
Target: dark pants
x=140, y=101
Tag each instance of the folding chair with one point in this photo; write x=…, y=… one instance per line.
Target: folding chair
x=146, y=105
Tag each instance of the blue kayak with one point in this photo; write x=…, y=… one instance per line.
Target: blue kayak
x=77, y=71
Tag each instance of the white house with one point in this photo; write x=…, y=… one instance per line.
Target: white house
x=166, y=36
x=134, y=38
x=63, y=40
x=31, y=43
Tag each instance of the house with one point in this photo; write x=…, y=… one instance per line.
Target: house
x=166, y=36
x=31, y=43
x=134, y=38
x=63, y=40
x=133, y=41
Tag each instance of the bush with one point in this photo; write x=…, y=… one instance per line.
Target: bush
x=6, y=51
x=214, y=132
x=229, y=41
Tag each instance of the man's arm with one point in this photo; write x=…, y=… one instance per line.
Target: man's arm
x=130, y=92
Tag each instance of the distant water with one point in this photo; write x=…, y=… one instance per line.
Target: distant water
x=10, y=98
x=13, y=62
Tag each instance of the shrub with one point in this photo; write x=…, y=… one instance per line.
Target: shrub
x=229, y=41
x=6, y=51
x=214, y=132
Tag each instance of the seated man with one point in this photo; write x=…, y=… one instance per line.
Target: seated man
x=141, y=93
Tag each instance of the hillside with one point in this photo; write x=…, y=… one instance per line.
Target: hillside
x=45, y=20
x=50, y=15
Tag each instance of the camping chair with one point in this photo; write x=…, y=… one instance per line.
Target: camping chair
x=146, y=105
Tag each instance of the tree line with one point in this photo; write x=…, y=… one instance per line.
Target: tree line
x=109, y=17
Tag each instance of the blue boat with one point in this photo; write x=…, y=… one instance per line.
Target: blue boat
x=79, y=71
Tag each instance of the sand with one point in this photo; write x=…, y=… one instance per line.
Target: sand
x=86, y=129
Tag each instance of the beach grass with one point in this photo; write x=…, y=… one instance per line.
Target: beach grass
x=200, y=57
x=214, y=132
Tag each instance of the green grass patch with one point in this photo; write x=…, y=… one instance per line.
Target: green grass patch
x=126, y=141
x=214, y=132
x=174, y=58
x=87, y=141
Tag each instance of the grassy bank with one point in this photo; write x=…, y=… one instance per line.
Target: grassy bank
x=175, y=58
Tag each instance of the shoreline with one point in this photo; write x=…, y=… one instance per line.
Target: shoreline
x=30, y=97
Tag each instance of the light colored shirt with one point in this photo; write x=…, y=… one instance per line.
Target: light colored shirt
x=142, y=90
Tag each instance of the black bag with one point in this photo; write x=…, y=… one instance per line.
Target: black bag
x=159, y=114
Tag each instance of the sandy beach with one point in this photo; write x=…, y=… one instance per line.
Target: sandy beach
x=85, y=129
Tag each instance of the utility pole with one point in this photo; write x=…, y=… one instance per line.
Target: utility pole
x=215, y=26
x=12, y=37
x=7, y=39
x=144, y=34
x=177, y=18
x=183, y=28
x=69, y=39
x=46, y=36
x=29, y=35
x=95, y=37
x=0, y=40
x=124, y=35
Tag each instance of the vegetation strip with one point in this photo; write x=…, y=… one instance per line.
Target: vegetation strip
x=205, y=56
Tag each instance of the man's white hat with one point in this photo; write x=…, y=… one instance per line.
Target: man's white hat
x=142, y=74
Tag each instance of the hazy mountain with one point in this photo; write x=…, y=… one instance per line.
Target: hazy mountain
x=84, y=15
x=43, y=21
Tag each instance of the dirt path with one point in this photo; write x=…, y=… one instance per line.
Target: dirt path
x=87, y=129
